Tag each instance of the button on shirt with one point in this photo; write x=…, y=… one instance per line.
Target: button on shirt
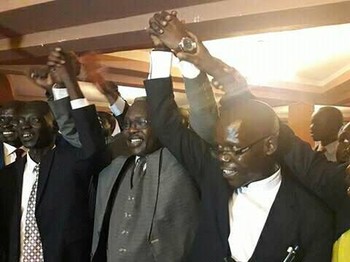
x=249, y=208
x=28, y=182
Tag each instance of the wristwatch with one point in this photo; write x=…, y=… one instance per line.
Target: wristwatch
x=187, y=45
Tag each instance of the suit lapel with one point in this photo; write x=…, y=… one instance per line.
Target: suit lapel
x=2, y=157
x=44, y=171
x=107, y=179
x=153, y=173
x=222, y=217
x=281, y=224
x=17, y=213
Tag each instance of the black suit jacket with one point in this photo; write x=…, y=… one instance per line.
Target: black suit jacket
x=2, y=157
x=62, y=196
x=296, y=217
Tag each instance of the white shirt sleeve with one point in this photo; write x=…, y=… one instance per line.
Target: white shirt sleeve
x=160, y=64
x=118, y=107
x=188, y=70
x=79, y=103
x=59, y=93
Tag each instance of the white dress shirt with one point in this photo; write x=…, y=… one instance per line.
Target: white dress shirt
x=28, y=182
x=331, y=150
x=249, y=208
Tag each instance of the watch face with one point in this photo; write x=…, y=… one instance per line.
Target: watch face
x=187, y=45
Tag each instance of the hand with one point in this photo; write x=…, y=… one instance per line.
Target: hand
x=109, y=90
x=62, y=65
x=92, y=68
x=167, y=28
x=41, y=77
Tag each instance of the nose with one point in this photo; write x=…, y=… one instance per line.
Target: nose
x=225, y=157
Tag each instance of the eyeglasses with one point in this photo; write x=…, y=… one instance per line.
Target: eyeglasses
x=238, y=151
x=139, y=123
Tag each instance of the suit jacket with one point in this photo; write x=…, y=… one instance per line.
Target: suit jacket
x=296, y=218
x=2, y=157
x=62, y=196
x=173, y=203
x=326, y=179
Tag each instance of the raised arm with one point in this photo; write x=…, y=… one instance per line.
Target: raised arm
x=92, y=68
x=59, y=102
x=85, y=117
x=201, y=100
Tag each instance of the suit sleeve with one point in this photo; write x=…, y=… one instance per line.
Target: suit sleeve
x=89, y=130
x=326, y=179
x=203, y=108
x=62, y=111
x=190, y=150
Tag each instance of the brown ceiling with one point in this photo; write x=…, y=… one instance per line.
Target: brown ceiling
x=231, y=18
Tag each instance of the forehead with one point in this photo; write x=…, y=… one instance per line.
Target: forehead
x=10, y=111
x=34, y=110
x=138, y=109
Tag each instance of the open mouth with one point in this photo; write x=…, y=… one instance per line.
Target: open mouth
x=135, y=142
x=27, y=136
x=229, y=172
x=8, y=133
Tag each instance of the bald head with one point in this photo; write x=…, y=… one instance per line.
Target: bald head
x=325, y=125
x=255, y=117
x=247, y=138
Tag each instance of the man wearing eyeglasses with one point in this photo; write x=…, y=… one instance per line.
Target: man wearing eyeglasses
x=251, y=209
x=146, y=204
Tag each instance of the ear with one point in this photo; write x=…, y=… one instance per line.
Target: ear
x=270, y=145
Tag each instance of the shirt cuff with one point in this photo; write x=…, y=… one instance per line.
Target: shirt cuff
x=79, y=103
x=118, y=107
x=188, y=70
x=59, y=93
x=160, y=64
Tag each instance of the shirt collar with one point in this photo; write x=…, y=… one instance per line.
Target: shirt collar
x=8, y=149
x=266, y=184
x=31, y=163
x=332, y=147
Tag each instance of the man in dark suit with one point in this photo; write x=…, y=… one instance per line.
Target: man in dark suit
x=324, y=128
x=247, y=138
x=62, y=222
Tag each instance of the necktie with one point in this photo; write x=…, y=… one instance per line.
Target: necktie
x=139, y=170
x=19, y=153
x=32, y=246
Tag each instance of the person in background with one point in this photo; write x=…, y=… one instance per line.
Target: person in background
x=324, y=128
x=10, y=145
x=109, y=125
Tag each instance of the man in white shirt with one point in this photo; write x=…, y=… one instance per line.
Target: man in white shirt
x=251, y=209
